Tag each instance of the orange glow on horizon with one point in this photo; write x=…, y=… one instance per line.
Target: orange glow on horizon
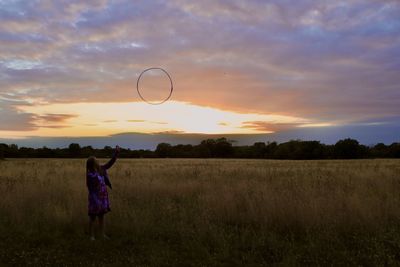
x=102, y=119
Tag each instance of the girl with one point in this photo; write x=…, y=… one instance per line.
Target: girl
x=96, y=181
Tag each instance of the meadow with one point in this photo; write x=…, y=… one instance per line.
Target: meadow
x=204, y=212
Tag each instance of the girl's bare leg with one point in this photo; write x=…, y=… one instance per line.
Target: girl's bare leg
x=101, y=224
x=91, y=227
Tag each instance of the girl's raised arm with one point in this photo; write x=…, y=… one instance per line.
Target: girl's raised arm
x=113, y=159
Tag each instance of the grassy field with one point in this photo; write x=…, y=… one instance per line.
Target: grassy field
x=182, y=212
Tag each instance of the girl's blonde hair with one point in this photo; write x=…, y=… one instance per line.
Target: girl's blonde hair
x=93, y=165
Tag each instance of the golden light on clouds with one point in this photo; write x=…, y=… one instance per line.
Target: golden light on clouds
x=99, y=119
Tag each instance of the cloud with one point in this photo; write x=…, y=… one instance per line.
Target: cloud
x=153, y=122
x=135, y=120
x=268, y=126
x=12, y=119
x=54, y=121
x=324, y=61
x=56, y=118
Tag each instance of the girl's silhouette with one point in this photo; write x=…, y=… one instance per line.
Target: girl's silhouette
x=97, y=181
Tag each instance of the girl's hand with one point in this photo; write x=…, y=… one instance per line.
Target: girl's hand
x=117, y=149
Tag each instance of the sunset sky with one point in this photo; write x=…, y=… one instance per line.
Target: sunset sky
x=69, y=68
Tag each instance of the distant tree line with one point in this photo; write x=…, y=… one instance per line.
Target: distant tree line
x=219, y=148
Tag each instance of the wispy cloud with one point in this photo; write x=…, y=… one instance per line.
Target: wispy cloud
x=135, y=120
x=268, y=126
x=56, y=118
x=13, y=119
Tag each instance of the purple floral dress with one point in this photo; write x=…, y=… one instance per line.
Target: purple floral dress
x=98, y=202
x=98, y=195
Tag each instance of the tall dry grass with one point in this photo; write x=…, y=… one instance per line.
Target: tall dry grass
x=205, y=212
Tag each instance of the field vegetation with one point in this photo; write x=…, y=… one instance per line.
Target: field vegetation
x=204, y=212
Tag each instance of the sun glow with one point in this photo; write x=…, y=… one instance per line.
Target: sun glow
x=100, y=119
